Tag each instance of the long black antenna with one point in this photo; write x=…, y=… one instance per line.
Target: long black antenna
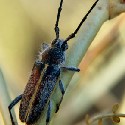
x=80, y=24
x=57, y=20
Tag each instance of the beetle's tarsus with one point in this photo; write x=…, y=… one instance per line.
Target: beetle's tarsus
x=12, y=104
x=48, y=112
x=11, y=117
x=58, y=105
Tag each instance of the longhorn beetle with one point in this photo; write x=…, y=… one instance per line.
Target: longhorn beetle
x=45, y=77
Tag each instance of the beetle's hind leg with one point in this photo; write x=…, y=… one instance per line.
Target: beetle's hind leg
x=12, y=104
x=61, y=86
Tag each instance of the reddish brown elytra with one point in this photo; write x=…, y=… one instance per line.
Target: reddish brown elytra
x=45, y=78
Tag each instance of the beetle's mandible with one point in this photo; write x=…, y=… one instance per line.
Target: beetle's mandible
x=45, y=77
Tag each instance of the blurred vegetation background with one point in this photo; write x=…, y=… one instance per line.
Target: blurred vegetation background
x=24, y=25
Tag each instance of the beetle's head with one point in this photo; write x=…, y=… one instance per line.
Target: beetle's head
x=61, y=44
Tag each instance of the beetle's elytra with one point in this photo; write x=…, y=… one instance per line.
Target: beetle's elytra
x=45, y=77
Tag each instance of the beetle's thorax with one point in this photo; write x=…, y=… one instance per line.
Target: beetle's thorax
x=55, y=54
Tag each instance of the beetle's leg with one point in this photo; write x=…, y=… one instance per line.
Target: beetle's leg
x=48, y=112
x=12, y=104
x=70, y=68
x=61, y=86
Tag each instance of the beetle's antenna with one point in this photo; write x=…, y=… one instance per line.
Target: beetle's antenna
x=57, y=20
x=80, y=24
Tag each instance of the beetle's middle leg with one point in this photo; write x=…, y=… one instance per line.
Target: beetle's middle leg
x=61, y=86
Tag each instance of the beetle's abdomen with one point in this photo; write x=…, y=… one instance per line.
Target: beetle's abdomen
x=30, y=88
x=44, y=91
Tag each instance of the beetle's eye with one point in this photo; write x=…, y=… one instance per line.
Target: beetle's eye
x=64, y=46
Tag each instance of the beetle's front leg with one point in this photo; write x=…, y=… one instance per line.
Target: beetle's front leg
x=61, y=86
x=70, y=68
x=12, y=104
